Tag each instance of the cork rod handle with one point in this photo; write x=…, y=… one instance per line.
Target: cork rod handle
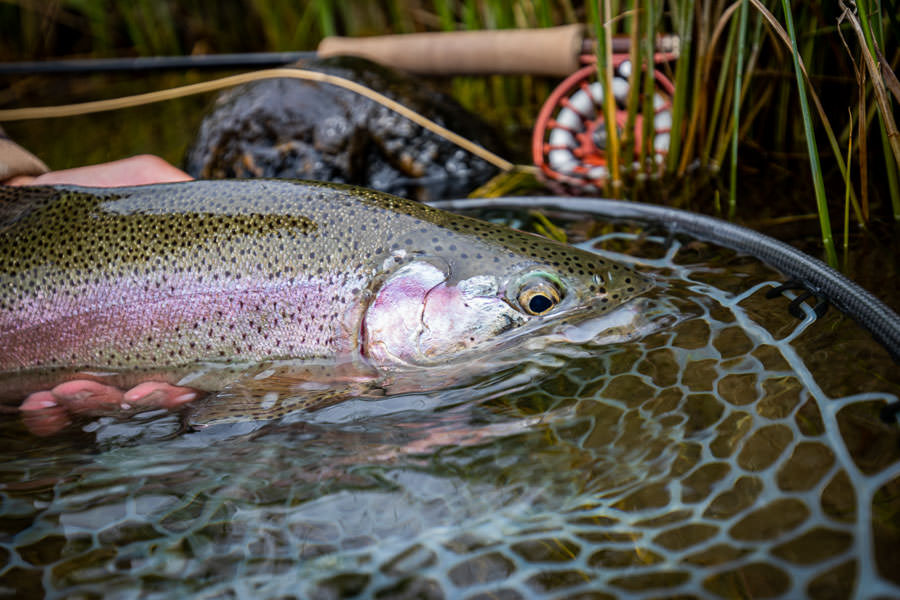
x=550, y=51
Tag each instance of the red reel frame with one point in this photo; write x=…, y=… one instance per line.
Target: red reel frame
x=568, y=144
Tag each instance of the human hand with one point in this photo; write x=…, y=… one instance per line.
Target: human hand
x=50, y=411
x=137, y=170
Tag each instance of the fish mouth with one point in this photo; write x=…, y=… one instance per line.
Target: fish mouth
x=585, y=325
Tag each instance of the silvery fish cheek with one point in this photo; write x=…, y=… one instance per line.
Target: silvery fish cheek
x=417, y=318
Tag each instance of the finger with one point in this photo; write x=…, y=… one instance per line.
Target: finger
x=158, y=394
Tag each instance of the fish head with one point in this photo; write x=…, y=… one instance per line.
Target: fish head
x=435, y=308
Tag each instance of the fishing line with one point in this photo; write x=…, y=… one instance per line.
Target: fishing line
x=84, y=108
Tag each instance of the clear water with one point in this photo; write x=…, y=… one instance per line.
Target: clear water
x=735, y=452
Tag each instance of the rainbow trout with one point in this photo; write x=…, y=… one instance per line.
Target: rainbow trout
x=167, y=276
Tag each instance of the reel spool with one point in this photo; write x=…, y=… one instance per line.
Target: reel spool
x=569, y=141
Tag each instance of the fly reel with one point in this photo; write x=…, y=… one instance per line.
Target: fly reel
x=569, y=144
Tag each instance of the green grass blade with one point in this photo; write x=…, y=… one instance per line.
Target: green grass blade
x=736, y=106
x=847, y=185
x=893, y=183
x=635, y=56
x=544, y=13
x=326, y=17
x=699, y=89
x=649, y=44
x=470, y=15
x=719, y=95
x=401, y=20
x=815, y=167
x=890, y=145
x=600, y=17
x=829, y=131
x=682, y=71
x=444, y=10
x=874, y=31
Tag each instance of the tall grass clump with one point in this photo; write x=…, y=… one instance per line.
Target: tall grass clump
x=742, y=80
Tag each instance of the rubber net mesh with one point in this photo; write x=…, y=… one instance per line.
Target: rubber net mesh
x=730, y=450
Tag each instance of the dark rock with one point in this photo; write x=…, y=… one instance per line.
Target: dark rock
x=290, y=128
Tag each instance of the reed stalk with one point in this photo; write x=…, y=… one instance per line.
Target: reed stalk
x=326, y=17
x=602, y=19
x=847, y=186
x=609, y=100
x=746, y=74
x=400, y=17
x=445, y=15
x=543, y=13
x=815, y=168
x=782, y=117
x=736, y=107
x=890, y=137
x=863, y=120
x=826, y=123
x=685, y=26
x=699, y=97
x=635, y=58
x=568, y=10
x=862, y=146
x=149, y=26
x=300, y=38
x=762, y=102
x=649, y=45
x=724, y=72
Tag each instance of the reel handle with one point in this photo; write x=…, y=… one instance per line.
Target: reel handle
x=553, y=51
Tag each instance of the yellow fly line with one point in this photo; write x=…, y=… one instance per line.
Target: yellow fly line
x=83, y=108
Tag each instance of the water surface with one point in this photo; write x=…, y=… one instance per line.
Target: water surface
x=731, y=451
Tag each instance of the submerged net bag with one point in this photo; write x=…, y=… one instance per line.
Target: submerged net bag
x=734, y=451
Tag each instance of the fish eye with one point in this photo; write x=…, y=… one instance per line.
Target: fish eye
x=538, y=295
